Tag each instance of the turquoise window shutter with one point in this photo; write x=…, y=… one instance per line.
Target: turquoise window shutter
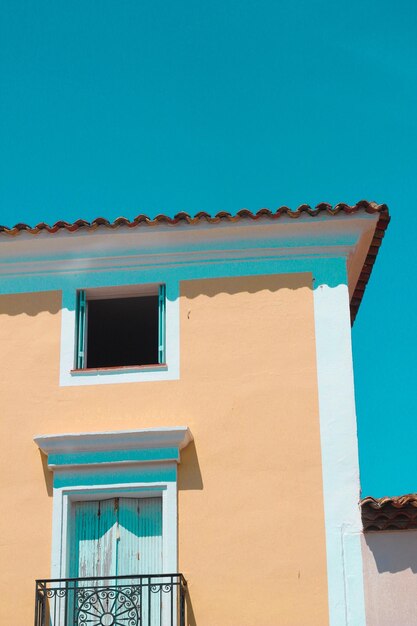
x=95, y=549
x=161, y=324
x=139, y=545
x=117, y=537
x=81, y=325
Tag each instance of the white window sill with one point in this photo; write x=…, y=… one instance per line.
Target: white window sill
x=122, y=369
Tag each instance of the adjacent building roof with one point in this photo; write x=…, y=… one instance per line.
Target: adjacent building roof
x=184, y=218
x=396, y=513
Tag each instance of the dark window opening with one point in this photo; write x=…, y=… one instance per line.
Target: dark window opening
x=122, y=332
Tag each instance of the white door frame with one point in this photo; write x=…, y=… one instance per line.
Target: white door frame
x=63, y=515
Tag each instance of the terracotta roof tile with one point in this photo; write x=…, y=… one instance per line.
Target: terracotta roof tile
x=224, y=216
x=363, y=205
x=396, y=513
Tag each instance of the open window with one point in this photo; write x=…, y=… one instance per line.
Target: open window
x=118, y=328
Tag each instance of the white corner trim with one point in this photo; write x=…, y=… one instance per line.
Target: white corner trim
x=170, y=437
x=339, y=447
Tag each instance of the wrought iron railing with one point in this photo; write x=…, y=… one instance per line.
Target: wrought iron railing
x=157, y=600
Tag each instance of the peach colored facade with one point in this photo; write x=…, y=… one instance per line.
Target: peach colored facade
x=253, y=412
x=259, y=369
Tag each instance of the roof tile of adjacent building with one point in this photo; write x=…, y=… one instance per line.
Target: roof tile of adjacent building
x=390, y=513
x=223, y=216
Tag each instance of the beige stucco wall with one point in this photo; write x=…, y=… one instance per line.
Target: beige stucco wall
x=390, y=566
x=251, y=525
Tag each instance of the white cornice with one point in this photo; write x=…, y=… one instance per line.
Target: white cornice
x=164, y=260
x=170, y=246
x=107, y=441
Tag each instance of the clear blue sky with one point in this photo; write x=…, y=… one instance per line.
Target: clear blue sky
x=120, y=107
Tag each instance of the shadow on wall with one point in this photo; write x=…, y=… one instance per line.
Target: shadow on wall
x=189, y=478
x=189, y=473
x=47, y=474
x=393, y=551
x=31, y=304
x=36, y=302
x=211, y=287
x=190, y=617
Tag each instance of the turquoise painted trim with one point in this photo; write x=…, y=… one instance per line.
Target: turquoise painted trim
x=114, y=456
x=81, y=311
x=132, y=490
x=322, y=268
x=161, y=324
x=162, y=473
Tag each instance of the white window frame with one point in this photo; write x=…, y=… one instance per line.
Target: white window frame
x=70, y=377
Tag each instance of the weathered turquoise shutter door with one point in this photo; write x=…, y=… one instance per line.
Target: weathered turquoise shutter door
x=96, y=538
x=140, y=551
x=140, y=531
x=118, y=537
x=161, y=324
x=81, y=311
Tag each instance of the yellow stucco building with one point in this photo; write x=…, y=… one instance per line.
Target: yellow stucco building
x=178, y=419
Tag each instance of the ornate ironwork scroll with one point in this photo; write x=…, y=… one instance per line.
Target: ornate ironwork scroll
x=119, y=601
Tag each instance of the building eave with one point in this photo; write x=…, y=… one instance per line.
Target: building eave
x=102, y=245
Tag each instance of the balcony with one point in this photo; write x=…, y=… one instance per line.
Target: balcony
x=157, y=600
